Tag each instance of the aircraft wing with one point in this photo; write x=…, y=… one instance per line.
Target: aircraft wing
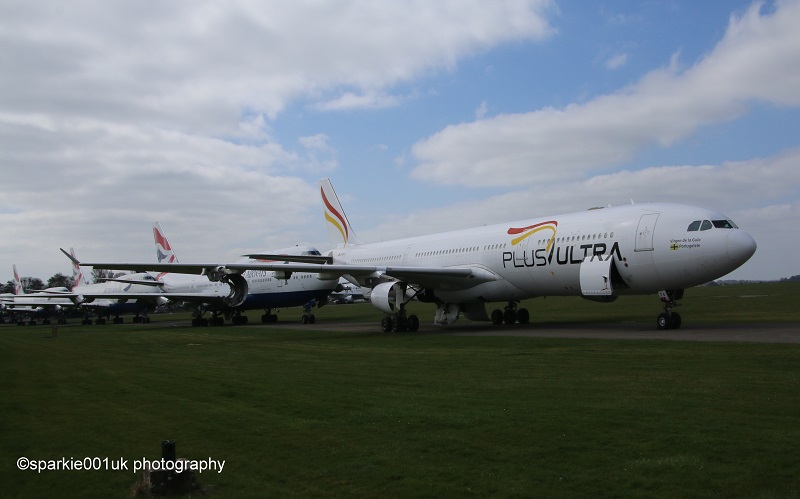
x=194, y=297
x=39, y=298
x=291, y=258
x=446, y=278
x=141, y=282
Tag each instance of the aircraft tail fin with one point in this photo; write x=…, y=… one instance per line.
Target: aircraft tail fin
x=78, y=279
x=339, y=229
x=164, y=251
x=17, y=283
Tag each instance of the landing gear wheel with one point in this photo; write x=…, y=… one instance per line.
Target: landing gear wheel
x=497, y=317
x=523, y=317
x=386, y=324
x=399, y=323
x=668, y=320
x=413, y=323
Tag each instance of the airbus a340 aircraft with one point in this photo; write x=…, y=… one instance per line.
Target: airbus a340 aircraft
x=597, y=254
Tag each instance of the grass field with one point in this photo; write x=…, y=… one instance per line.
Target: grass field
x=366, y=414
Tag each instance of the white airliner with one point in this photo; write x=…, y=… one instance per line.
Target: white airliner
x=35, y=303
x=598, y=254
x=129, y=294
x=251, y=290
x=132, y=294
x=233, y=293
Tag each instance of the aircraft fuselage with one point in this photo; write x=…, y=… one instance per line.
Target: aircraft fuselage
x=647, y=247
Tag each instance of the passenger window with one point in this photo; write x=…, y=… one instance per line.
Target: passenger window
x=694, y=226
x=706, y=225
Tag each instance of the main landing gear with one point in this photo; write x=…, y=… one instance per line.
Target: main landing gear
x=399, y=321
x=669, y=319
x=308, y=316
x=510, y=314
x=269, y=317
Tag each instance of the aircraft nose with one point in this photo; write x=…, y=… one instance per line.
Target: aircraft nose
x=741, y=246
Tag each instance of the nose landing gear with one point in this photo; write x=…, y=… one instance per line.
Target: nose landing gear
x=669, y=319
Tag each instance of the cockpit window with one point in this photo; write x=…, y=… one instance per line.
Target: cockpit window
x=708, y=224
x=724, y=224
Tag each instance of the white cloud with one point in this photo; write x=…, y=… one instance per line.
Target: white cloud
x=199, y=63
x=115, y=114
x=367, y=100
x=480, y=113
x=755, y=61
x=616, y=61
x=320, y=155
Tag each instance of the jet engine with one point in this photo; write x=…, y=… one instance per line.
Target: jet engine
x=239, y=289
x=387, y=296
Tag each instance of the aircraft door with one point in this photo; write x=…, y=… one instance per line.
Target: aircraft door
x=520, y=251
x=644, y=232
x=405, y=255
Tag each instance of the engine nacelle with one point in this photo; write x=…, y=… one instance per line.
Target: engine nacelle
x=216, y=274
x=387, y=296
x=239, y=289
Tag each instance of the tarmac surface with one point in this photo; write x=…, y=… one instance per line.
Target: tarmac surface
x=734, y=332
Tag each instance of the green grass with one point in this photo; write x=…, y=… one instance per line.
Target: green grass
x=363, y=414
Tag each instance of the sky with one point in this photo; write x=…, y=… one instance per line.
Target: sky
x=218, y=119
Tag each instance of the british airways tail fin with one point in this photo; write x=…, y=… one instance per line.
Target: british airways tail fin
x=339, y=229
x=78, y=279
x=17, y=282
x=164, y=251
